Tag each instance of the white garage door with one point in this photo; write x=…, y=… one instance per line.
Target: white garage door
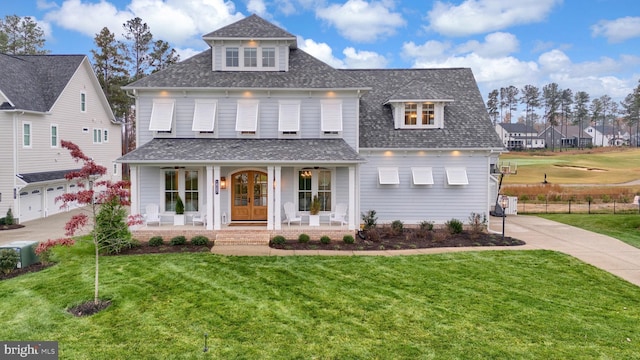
x=30, y=204
x=53, y=192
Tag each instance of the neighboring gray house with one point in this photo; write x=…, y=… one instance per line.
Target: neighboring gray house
x=566, y=137
x=518, y=136
x=254, y=122
x=45, y=99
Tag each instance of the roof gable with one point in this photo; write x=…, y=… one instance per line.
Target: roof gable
x=252, y=27
x=34, y=82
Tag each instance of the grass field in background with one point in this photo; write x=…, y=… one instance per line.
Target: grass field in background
x=480, y=305
x=608, y=166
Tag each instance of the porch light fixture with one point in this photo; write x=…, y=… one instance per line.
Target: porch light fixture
x=223, y=183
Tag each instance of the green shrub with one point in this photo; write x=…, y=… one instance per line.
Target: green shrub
x=111, y=227
x=348, y=239
x=9, y=220
x=178, y=240
x=454, y=226
x=278, y=240
x=588, y=198
x=304, y=238
x=325, y=239
x=542, y=197
x=397, y=226
x=156, y=241
x=426, y=225
x=9, y=259
x=369, y=219
x=200, y=240
x=606, y=198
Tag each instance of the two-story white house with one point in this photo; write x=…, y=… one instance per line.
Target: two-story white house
x=254, y=122
x=45, y=99
x=518, y=136
x=608, y=135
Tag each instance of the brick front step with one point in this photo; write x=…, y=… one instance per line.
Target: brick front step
x=252, y=237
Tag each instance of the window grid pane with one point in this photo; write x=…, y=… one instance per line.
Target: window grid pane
x=410, y=114
x=428, y=114
x=26, y=134
x=250, y=57
x=191, y=191
x=324, y=190
x=54, y=136
x=268, y=57
x=232, y=57
x=170, y=190
x=304, y=190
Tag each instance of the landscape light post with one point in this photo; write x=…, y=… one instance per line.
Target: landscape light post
x=504, y=202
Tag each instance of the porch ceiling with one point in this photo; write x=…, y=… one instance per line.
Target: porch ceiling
x=243, y=150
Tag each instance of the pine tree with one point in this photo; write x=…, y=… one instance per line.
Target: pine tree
x=21, y=36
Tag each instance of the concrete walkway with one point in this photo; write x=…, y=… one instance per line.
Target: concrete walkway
x=598, y=250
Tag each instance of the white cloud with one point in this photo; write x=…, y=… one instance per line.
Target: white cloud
x=496, y=45
x=257, y=7
x=481, y=16
x=187, y=53
x=362, y=21
x=44, y=5
x=617, y=30
x=321, y=51
x=363, y=59
x=179, y=22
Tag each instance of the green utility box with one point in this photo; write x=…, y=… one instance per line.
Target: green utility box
x=26, y=250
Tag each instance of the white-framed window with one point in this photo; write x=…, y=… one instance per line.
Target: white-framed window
x=83, y=102
x=388, y=176
x=250, y=58
x=315, y=182
x=54, y=135
x=26, y=134
x=457, y=176
x=247, y=116
x=418, y=114
x=289, y=117
x=232, y=57
x=331, y=116
x=105, y=135
x=97, y=136
x=183, y=183
x=204, y=115
x=268, y=57
x=162, y=116
x=422, y=175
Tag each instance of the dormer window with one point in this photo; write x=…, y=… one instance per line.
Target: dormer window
x=424, y=114
x=250, y=58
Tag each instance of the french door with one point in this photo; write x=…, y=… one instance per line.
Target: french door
x=249, y=196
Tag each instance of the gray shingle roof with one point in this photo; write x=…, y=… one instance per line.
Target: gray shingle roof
x=518, y=128
x=305, y=72
x=250, y=27
x=243, y=150
x=44, y=176
x=34, y=82
x=466, y=121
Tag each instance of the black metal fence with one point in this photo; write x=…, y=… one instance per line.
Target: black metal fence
x=576, y=207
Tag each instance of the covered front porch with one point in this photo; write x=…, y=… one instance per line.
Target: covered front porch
x=232, y=183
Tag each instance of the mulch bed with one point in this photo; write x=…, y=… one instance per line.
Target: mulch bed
x=144, y=248
x=408, y=239
x=11, y=227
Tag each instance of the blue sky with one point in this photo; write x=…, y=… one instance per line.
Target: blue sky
x=584, y=45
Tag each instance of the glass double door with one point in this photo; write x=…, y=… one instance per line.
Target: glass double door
x=249, y=196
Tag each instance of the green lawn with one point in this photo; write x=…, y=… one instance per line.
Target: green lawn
x=584, y=167
x=472, y=305
x=621, y=227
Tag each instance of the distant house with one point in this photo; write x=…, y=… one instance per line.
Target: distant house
x=608, y=135
x=519, y=136
x=566, y=137
x=45, y=99
x=254, y=123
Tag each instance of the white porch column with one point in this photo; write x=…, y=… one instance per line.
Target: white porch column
x=352, y=213
x=277, y=198
x=134, y=193
x=269, y=197
x=209, y=197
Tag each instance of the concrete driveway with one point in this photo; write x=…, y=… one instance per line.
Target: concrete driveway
x=51, y=227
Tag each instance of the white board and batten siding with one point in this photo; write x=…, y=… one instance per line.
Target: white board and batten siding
x=411, y=203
